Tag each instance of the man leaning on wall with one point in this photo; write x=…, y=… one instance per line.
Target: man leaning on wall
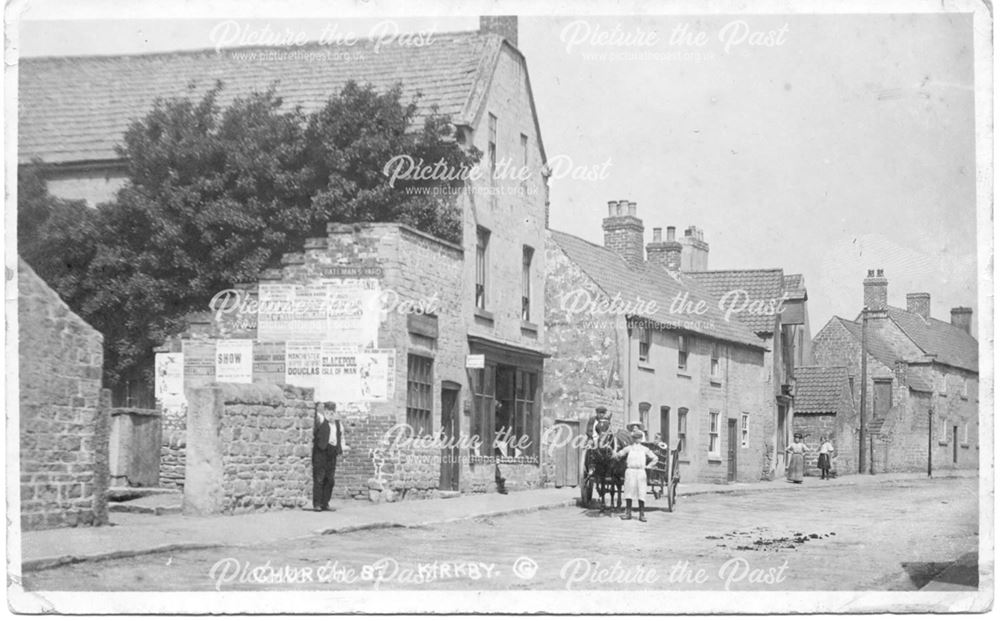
x=329, y=442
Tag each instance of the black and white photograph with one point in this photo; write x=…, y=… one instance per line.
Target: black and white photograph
x=594, y=307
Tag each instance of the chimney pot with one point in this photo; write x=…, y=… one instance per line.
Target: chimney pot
x=623, y=232
x=657, y=234
x=671, y=233
x=961, y=317
x=503, y=25
x=876, y=291
x=919, y=303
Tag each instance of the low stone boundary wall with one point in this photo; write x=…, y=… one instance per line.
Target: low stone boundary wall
x=249, y=448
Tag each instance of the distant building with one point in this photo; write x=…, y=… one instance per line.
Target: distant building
x=824, y=407
x=920, y=371
x=652, y=346
x=774, y=306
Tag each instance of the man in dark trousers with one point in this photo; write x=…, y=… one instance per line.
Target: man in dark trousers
x=328, y=443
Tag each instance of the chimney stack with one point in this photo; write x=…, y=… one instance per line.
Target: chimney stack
x=961, y=317
x=666, y=253
x=694, y=257
x=503, y=25
x=919, y=303
x=623, y=232
x=876, y=291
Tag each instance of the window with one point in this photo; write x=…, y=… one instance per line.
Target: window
x=483, y=386
x=713, y=433
x=492, y=146
x=965, y=434
x=527, y=254
x=644, y=336
x=682, y=426
x=882, y=398
x=644, y=414
x=943, y=438
x=965, y=388
x=716, y=367
x=682, y=351
x=419, y=391
x=942, y=384
x=525, y=414
x=745, y=430
x=482, y=250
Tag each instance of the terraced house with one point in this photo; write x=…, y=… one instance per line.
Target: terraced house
x=920, y=387
x=471, y=367
x=652, y=345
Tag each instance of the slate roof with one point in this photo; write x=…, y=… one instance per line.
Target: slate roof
x=877, y=346
x=651, y=282
x=763, y=284
x=818, y=389
x=952, y=345
x=75, y=109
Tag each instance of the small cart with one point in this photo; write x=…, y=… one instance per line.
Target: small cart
x=664, y=475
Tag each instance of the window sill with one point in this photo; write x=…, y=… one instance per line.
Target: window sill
x=940, y=443
x=529, y=329
x=715, y=460
x=484, y=315
x=715, y=382
x=644, y=366
x=684, y=375
x=964, y=398
x=964, y=445
x=684, y=460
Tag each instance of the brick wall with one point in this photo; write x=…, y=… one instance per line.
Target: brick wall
x=64, y=415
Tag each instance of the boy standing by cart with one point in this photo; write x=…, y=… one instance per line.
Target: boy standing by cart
x=637, y=459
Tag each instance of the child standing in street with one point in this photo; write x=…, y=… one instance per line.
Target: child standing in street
x=825, y=457
x=637, y=459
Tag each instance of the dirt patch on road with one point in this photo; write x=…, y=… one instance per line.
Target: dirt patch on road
x=761, y=540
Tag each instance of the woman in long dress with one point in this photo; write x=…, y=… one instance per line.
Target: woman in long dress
x=796, y=452
x=637, y=459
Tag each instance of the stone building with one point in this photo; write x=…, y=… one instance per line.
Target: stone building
x=774, y=305
x=651, y=345
x=470, y=366
x=824, y=407
x=64, y=418
x=921, y=380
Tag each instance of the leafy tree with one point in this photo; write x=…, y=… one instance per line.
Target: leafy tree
x=216, y=194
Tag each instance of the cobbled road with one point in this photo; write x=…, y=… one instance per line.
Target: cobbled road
x=889, y=536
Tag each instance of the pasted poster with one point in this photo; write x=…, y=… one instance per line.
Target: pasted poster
x=341, y=381
x=199, y=362
x=377, y=372
x=269, y=363
x=234, y=361
x=344, y=311
x=302, y=365
x=169, y=384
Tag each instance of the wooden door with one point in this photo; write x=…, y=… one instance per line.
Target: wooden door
x=449, y=428
x=665, y=425
x=732, y=450
x=567, y=456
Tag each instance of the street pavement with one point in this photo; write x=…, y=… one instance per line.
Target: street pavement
x=898, y=534
x=892, y=532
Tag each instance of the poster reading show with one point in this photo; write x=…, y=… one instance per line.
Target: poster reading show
x=234, y=361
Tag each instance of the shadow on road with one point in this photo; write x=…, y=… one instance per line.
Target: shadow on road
x=963, y=572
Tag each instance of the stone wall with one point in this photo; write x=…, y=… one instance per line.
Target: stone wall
x=249, y=448
x=64, y=414
x=174, y=439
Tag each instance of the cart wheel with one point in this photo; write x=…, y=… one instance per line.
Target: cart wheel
x=586, y=492
x=672, y=496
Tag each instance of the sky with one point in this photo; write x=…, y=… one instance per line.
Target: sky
x=834, y=145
